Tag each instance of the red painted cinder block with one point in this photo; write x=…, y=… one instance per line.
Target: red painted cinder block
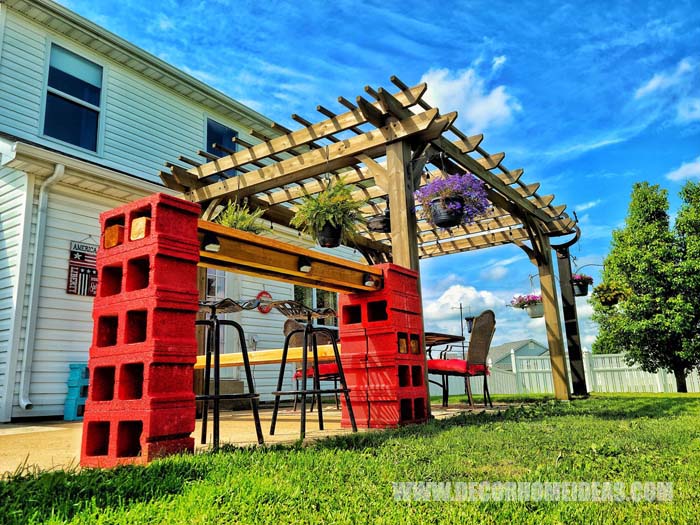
x=143, y=321
x=110, y=440
x=137, y=382
x=168, y=215
x=146, y=271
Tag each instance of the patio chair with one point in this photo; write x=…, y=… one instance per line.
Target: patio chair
x=327, y=370
x=475, y=364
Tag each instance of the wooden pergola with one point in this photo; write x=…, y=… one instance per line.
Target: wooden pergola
x=388, y=144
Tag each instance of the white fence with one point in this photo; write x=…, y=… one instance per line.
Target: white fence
x=604, y=373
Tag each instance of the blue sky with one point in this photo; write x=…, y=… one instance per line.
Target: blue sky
x=588, y=98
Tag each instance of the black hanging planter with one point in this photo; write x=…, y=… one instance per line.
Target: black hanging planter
x=379, y=223
x=329, y=236
x=443, y=216
x=580, y=289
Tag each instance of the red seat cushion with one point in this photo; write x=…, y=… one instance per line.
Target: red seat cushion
x=456, y=366
x=324, y=369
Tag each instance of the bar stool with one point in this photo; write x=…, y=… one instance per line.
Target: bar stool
x=213, y=346
x=304, y=314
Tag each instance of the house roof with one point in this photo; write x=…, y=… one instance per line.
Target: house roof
x=496, y=353
x=104, y=42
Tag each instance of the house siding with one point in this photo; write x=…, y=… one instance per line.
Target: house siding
x=13, y=188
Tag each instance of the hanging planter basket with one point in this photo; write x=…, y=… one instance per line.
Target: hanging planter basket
x=580, y=289
x=329, y=236
x=535, y=311
x=444, y=215
x=379, y=223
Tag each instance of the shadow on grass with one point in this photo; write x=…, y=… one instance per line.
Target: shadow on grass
x=617, y=407
x=35, y=496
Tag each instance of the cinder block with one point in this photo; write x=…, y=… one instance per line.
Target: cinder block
x=146, y=320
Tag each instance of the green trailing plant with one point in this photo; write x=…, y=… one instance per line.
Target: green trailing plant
x=335, y=206
x=610, y=293
x=239, y=216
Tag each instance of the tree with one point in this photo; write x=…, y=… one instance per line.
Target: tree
x=657, y=271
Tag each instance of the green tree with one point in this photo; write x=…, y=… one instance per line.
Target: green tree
x=656, y=323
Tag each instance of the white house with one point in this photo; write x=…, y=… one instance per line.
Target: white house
x=87, y=120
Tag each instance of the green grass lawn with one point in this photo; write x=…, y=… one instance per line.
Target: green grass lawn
x=348, y=479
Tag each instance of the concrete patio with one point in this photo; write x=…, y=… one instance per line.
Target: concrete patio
x=56, y=444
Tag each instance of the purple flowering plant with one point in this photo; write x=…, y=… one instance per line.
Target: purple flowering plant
x=523, y=301
x=581, y=278
x=461, y=192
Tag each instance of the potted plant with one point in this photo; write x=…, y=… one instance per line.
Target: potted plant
x=451, y=200
x=330, y=216
x=239, y=216
x=581, y=283
x=532, y=303
x=610, y=293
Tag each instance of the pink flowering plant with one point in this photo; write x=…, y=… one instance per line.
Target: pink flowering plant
x=581, y=278
x=462, y=193
x=523, y=301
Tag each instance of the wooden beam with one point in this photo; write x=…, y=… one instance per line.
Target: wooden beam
x=319, y=161
x=475, y=242
x=372, y=114
x=491, y=161
x=251, y=254
x=297, y=138
x=469, y=144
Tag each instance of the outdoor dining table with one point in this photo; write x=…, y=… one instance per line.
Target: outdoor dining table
x=437, y=339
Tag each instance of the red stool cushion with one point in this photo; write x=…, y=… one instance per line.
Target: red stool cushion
x=324, y=369
x=456, y=366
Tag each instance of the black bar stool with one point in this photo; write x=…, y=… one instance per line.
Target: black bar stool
x=304, y=314
x=213, y=346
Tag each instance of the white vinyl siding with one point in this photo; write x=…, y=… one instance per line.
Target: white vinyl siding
x=13, y=187
x=21, y=77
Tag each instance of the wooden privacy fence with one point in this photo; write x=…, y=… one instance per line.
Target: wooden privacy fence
x=604, y=373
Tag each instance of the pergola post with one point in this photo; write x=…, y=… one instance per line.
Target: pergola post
x=404, y=231
x=552, y=320
x=573, y=341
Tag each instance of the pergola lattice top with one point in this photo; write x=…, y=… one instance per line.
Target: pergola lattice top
x=286, y=165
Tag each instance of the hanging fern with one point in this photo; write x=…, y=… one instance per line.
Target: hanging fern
x=239, y=216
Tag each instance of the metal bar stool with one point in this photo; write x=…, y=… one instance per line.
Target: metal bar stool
x=213, y=346
x=302, y=313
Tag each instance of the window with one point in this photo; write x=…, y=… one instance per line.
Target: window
x=73, y=99
x=315, y=298
x=216, y=285
x=222, y=136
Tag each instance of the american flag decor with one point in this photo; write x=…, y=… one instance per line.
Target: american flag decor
x=82, y=269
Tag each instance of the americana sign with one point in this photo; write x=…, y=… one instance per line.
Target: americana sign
x=82, y=269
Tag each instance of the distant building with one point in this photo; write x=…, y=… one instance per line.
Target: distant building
x=87, y=120
x=501, y=355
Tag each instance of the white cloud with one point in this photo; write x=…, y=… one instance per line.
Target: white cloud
x=587, y=205
x=494, y=273
x=498, y=62
x=441, y=309
x=687, y=170
x=662, y=81
x=688, y=110
x=465, y=91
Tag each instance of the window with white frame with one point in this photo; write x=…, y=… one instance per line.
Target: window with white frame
x=315, y=298
x=73, y=93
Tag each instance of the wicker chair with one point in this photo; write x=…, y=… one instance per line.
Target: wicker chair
x=475, y=364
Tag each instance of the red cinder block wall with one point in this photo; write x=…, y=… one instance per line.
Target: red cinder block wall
x=140, y=401
x=382, y=341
